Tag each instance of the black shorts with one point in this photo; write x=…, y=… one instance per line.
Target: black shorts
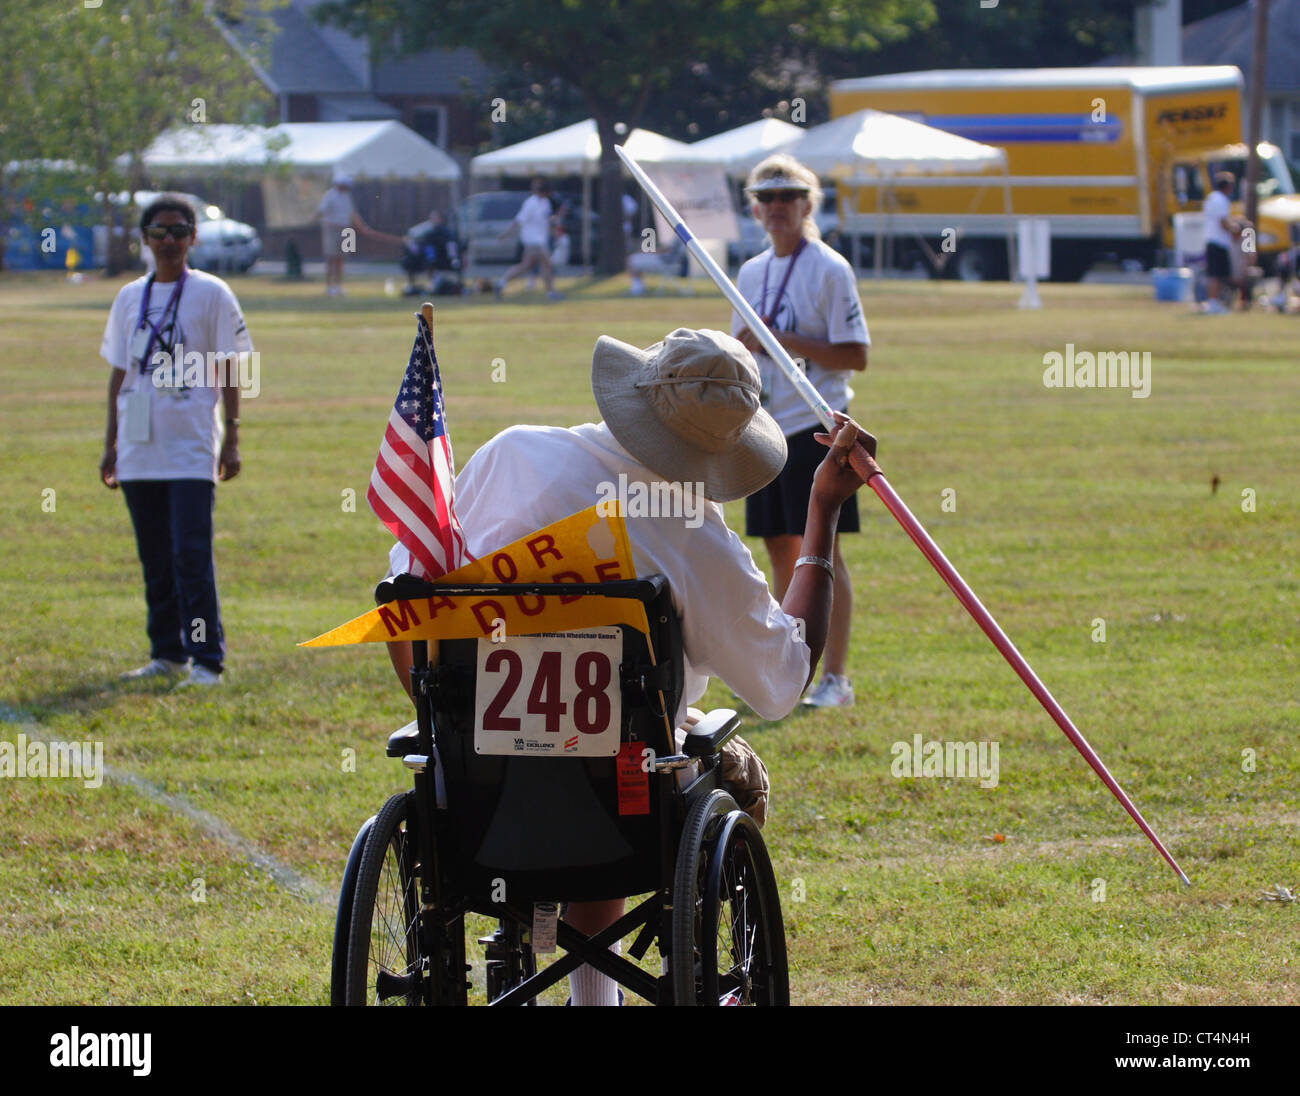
x=1217, y=262
x=782, y=506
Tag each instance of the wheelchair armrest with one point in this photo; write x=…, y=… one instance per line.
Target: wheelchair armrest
x=404, y=740
x=710, y=733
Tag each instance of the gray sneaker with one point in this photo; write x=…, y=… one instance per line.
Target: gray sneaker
x=199, y=675
x=156, y=667
x=833, y=691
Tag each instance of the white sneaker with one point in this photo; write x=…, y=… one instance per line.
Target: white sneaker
x=833, y=691
x=199, y=675
x=157, y=667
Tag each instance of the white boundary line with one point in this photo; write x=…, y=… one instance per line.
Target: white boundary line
x=286, y=877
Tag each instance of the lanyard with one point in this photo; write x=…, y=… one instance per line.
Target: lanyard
x=173, y=306
x=784, y=281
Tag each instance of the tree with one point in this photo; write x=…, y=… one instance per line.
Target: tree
x=27, y=140
x=617, y=54
x=113, y=76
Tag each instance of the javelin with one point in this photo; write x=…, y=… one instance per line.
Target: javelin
x=865, y=465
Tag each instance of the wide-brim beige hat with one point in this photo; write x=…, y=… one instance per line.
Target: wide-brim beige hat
x=689, y=409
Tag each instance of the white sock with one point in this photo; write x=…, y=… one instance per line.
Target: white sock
x=588, y=987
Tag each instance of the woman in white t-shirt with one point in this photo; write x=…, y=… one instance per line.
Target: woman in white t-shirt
x=807, y=294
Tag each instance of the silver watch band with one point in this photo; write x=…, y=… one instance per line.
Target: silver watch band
x=823, y=563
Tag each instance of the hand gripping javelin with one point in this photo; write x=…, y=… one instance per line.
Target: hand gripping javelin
x=864, y=464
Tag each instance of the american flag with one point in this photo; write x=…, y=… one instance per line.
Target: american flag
x=411, y=486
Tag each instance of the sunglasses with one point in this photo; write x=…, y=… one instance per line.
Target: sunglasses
x=769, y=196
x=161, y=232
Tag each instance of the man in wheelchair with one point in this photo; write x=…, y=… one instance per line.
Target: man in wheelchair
x=685, y=410
x=429, y=249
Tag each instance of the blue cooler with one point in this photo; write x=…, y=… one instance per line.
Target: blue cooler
x=1172, y=283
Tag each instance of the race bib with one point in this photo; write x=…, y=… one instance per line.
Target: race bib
x=556, y=693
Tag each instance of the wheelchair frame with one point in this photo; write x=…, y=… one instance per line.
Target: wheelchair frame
x=714, y=912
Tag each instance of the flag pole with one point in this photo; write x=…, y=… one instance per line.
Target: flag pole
x=870, y=471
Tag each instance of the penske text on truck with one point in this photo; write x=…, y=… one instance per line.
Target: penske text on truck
x=1106, y=155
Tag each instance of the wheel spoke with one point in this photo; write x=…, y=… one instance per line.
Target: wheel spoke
x=394, y=952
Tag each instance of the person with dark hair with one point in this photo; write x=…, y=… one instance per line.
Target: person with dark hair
x=179, y=349
x=1222, y=231
x=429, y=247
x=534, y=221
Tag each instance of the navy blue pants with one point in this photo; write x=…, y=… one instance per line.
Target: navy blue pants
x=173, y=534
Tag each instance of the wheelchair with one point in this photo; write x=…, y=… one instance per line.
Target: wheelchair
x=546, y=770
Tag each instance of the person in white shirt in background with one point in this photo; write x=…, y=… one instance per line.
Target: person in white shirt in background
x=807, y=294
x=533, y=222
x=175, y=340
x=686, y=411
x=1222, y=231
x=629, y=225
x=337, y=214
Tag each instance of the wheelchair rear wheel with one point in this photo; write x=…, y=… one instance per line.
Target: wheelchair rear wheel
x=388, y=960
x=385, y=964
x=728, y=937
x=388, y=939
x=743, y=957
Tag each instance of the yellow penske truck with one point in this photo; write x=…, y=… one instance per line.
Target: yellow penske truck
x=1106, y=155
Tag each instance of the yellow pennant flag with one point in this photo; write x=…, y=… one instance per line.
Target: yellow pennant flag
x=584, y=547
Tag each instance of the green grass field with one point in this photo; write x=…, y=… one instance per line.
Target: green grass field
x=1071, y=505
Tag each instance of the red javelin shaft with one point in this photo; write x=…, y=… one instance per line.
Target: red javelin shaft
x=870, y=470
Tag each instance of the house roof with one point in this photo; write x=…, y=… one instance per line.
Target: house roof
x=301, y=62
x=433, y=72
x=307, y=58
x=1227, y=38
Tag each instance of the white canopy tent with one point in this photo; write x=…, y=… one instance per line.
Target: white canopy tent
x=872, y=148
x=575, y=150
x=372, y=150
x=311, y=151
x=739, y=150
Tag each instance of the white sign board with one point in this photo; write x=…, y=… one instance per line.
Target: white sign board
x=1034, y=247
x=699, y=192
x=1189, y=239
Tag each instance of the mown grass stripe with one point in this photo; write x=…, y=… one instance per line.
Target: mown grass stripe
x=212, y=826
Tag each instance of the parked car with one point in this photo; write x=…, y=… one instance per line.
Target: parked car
x=222, y=244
